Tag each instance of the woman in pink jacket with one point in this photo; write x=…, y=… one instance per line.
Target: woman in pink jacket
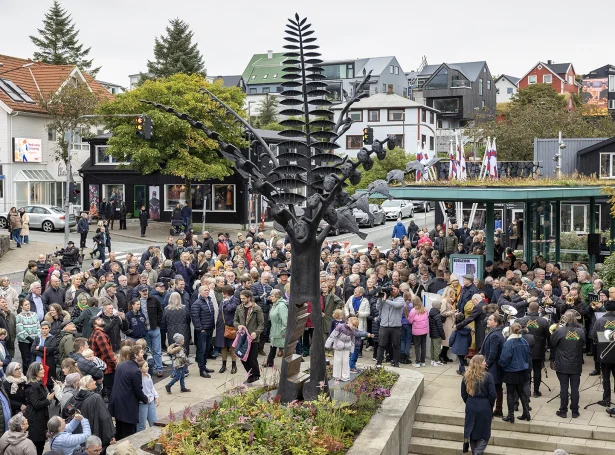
x=419, y=318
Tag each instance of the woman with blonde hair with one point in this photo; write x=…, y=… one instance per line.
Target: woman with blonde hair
x=447, y=312
x=176, y=319
x=478, y=393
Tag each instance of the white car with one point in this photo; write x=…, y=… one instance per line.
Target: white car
x=45, y=217
x=397, y=208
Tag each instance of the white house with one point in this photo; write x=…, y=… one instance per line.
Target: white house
x=389, y=114
x=506, y=86
x=30, y=174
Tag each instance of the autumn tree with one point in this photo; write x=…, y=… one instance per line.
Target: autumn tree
x=58, y=42
x=175, y=148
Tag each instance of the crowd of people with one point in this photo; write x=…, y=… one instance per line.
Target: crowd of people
x=93, y=341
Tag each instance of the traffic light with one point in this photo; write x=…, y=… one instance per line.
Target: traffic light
x=148, y=128
x=368, y=135
x=140, y=120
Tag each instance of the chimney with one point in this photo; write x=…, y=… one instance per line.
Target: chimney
x=269, y=54
x=389, y=89
x=549, y=62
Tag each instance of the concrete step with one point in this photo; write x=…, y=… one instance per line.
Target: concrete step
x=509, y=438
x=585, y=431
x=429, y=446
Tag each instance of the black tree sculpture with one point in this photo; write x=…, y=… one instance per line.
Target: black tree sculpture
x=305, y=160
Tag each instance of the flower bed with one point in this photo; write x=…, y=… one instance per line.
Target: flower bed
x=242, y=423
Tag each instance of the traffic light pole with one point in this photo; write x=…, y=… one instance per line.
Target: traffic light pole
x=69, y=171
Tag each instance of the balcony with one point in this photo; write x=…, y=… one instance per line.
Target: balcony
x=461, y=84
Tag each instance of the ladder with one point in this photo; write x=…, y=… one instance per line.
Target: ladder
x=413, y=82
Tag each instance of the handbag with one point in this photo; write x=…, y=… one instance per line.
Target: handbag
x=229, y=331
x=45, y=367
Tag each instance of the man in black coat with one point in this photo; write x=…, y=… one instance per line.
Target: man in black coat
x=127, y=394
x=539, y=328
x=491, y=349
x=606, y=322
x=569, y=342
x=203, y=314
x=437, y=284
x=86, y=367
x=113, y=324
x=477, y=316
x=467, y=291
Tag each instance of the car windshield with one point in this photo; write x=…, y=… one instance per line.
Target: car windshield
x=391, y=204
x=357, y=211
x=56, y=209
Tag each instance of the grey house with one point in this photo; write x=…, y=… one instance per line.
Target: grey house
x=458, y=90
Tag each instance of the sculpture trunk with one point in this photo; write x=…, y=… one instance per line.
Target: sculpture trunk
x=304, y=287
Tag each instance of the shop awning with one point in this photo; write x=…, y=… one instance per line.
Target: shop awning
x=34, y=175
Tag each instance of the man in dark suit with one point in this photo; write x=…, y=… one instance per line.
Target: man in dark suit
x=539, y=328
x=127, y=393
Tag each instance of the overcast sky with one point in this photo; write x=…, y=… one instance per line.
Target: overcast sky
x=510, y=36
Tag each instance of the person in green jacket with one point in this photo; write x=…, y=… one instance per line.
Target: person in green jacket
x=67, y=339
x=278, y=316
x=28, y=328
x=85, y=316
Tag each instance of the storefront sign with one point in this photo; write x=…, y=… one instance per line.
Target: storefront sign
x=27, y=150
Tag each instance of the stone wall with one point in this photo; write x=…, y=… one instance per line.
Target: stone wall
x=5, y=244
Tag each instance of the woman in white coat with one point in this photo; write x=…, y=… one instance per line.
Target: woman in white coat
x=358, y=306
x=25, y=226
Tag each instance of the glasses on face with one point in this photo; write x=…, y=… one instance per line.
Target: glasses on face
x=17, y=368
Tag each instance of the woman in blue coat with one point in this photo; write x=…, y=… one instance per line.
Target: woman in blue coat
x=491, y=349
x=136, y=324
x=478, y=393
x=515, y=361
x=226, y=316
x=459, y=342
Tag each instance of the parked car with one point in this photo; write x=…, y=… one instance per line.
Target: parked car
x=422, y=206
x=397, y=208
x=45, y=217
x=334, y=231
x=363, y=219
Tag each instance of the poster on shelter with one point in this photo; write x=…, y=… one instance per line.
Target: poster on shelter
x=27, y=150
x=463, y=266
x=154, y=202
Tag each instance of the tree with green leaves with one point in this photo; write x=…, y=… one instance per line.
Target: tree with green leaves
x=176, y=53
x=175, y=148
x=58, y=43
x=66, y=107
x=268, y=111
x=538, y=94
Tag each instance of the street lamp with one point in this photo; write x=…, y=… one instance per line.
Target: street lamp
x=27, y=65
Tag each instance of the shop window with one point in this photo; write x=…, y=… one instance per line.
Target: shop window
x=176, y=194
x=574, y=218
x=354, y=142
x=224, y=198
x=113, y=193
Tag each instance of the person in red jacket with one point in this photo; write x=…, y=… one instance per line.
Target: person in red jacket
x=221, y=247
x=100, y=343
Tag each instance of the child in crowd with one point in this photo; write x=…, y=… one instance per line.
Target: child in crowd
x=436, y=333
x=180, y=363
x=459, y=343
x=338, y=318
x=5, y=357
x=88, y=354
x=353, y=322
x=341, y=340
x=146, y=354
x=147, y=412
x=419, y=319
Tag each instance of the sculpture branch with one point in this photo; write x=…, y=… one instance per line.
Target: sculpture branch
x=354, y=99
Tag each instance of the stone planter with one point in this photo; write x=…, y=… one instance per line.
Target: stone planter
x=388, y=432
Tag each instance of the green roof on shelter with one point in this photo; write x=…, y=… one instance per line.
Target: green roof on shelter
x=264, y=70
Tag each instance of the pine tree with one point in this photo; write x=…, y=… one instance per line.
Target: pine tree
x=268, y=111
x=175, y=53
x=58, y=43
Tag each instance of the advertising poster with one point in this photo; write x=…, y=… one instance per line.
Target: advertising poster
x=154, y=202
x=595, y=92
x=94, y=198
x=27, y=150
x=463, y=264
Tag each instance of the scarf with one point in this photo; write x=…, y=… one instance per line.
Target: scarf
x=4, y=291
x=15, y=382
x=356, y=303
x=82, y=305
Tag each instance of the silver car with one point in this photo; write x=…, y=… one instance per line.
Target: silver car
x=45, y=217
x=363, y=219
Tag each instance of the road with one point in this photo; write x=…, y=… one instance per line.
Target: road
x=381, y=235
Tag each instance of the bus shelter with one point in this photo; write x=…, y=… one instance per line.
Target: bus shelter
x=541, y=211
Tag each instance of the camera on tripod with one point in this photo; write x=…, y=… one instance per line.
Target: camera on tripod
x=382, y=290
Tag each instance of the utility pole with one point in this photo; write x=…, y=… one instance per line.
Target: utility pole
x=558, y=156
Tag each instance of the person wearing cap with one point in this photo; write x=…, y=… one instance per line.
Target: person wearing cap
x=370, y=246
x=208, y=243
x=389, y=337
x=467, y=291
x=180, y=363
x=283, y=276
x=107, y=295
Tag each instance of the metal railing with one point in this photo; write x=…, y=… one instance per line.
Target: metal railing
x=461, y=84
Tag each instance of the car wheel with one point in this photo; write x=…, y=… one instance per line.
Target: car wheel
x=399, y=215
x=384, y=220
x=47, y=226
x=412, y=214
x=336, y=231
x=428, y=207
x=3, y=223
x=371, y=223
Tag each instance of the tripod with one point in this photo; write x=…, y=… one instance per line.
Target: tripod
x=598, y=381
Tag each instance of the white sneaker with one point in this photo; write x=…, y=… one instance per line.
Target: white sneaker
x=417, y=365
x=438, y=364
x=423, y=365
x=433, y=364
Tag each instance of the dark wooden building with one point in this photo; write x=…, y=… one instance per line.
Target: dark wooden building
x=598, y=159
x=226, y=201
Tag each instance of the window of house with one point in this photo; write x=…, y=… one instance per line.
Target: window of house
x=354, y=142
x=356, y=116
x=482, y=104
x=399, y=140
x=275, y=76
x=391, y=70
x=266, y=89
x=405, y=92
x=279, y=89
x=509, y=90
x=480, y=87
x=200, y=195
x=265, y=76
x=373, y=115
x=606, y=166
x=252, y=91
x=575, y=217
x=223, y=198
x=397, y=70
x=395, y=115
x=52, y=135
x=439, y=123
x=432, y=142
x=350, y=70
x=384, y=88
x=432, y=118
x=101, y=156
x=439, y=80
x=77, y=142
x=532, y=79
x=423, y=139
x=424, y=115
x=611, y=83
x=611, y=104
x=570, y=80
x=488, y=84
x=547, y=78
x=254, y=76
